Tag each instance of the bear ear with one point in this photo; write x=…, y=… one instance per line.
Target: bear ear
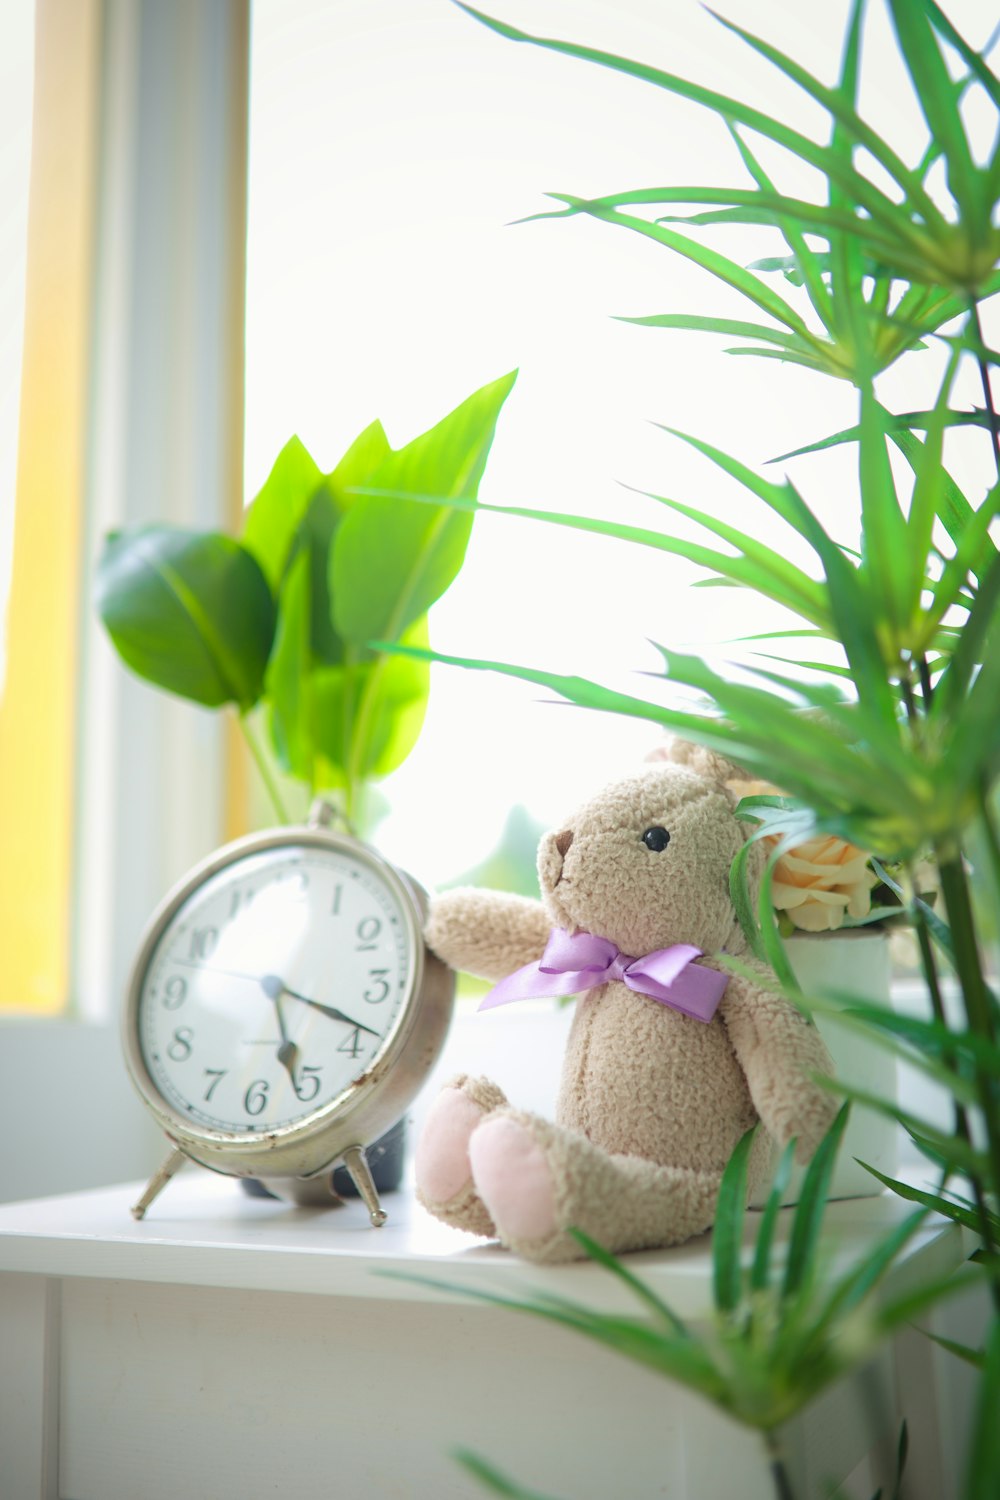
x=707, y=763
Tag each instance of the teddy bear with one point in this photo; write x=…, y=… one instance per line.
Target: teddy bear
x=670, y=1058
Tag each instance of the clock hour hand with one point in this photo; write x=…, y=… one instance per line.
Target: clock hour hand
x=288, y=1052
x=330, y=1010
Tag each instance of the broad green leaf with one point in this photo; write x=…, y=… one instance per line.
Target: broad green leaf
x=368, y=713
x=189, y=611
x=369, y=450
x=801, y=1264
x=276, y=512
x=727, y=1231
x=289, y=679
x=393, y=558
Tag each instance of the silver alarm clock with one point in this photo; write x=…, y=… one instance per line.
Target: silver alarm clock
x=283, y=1010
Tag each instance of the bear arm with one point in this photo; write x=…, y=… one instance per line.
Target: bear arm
x=486, y=933
x=779, y=1051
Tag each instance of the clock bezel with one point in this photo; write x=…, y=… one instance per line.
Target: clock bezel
x=364, y=1109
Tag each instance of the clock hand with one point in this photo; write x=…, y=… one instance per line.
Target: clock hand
x=288, y=1052
x=329, y=1010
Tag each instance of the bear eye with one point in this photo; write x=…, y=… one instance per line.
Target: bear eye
x=656, y=839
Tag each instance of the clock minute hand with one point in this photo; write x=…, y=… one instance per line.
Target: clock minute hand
x=330, y=1010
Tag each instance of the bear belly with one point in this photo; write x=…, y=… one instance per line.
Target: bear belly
x=640, y=1079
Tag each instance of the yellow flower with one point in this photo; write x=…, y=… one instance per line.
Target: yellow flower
x=820, y=881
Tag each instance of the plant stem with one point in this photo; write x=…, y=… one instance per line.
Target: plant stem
x=266, y=775
x=782, y=1484
x=981, y=1022
x=984, y=376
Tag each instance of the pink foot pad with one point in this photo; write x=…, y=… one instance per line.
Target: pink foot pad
x=442, y=1155
x=513, y=1179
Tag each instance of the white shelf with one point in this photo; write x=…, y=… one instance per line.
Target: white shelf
x=204, y=1230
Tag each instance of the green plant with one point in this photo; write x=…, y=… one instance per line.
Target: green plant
x=893, y=744
x=783, y=1324
x=278, y=624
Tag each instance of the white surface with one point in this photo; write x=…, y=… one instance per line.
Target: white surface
x=204, y=1230
x=236, y=1348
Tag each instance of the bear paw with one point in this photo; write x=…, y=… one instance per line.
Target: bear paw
x=444, y=1176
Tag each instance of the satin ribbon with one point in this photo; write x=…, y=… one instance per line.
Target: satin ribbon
x=578, y=961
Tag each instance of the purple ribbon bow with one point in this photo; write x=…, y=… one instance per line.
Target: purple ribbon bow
x=578, y=961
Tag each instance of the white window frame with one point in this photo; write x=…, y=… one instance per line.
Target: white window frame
x=165, y=443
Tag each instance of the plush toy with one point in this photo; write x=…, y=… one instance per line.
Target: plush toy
x=669, y=1058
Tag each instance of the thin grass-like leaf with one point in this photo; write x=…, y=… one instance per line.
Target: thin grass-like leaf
x=800, y=1265
x=837, y=104
x=727, y=1231
x=639, y=1288
x=949, y=1209
x=760, y=1271
x=493, y=1479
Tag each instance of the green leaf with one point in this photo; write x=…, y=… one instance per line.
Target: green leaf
x=363, y=458
x=273, y=518
x=189, y=611
x=760, y=1273
x=984, y=1450
x=725, y=108
x=639, y=1289
x=727, y=1231
x=731, y=327
x=936, y=1201
x=393, y=558
x=935, y=93
x=289, y=679
x=493, y=1479
x=368, y=714
x=739, y=892
x=800, y=1266
x=838, y=103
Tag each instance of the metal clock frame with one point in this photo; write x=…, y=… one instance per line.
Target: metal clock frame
x=292, y=1157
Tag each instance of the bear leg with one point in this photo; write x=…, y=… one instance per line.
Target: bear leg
x=444, y=1177
x=538, y=1180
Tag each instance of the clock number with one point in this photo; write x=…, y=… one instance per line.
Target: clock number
x=174, y=992
x=255, y=1098
x=180, y=1048
x=240, y=901
x=307, y=1084
x=216, y=1075
x=379, y=977
x=203, y=941
x=368, y=930
x=351, y=1044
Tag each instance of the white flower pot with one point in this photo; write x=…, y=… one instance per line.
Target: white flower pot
x=856, y=965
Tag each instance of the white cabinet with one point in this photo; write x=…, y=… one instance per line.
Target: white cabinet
x=230, y=1348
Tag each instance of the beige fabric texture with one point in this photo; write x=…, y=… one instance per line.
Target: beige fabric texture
x=651, y=1102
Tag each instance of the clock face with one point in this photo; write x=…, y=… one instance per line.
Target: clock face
x=273, y=988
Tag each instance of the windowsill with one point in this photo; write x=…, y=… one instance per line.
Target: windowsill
x=204, y=1230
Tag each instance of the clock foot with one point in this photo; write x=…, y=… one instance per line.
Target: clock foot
x=158, y=1182
x=357, y=1165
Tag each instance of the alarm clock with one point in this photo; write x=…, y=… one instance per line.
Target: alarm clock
x=283, y=1011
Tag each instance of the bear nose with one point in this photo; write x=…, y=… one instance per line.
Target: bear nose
x=563, y=840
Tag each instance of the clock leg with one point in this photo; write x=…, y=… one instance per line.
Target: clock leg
x=357, y=1165
x=158, y=1182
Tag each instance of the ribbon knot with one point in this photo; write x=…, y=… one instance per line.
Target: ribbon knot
x=578, y=961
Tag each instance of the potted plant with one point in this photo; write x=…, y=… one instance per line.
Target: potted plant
x=891, y=740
